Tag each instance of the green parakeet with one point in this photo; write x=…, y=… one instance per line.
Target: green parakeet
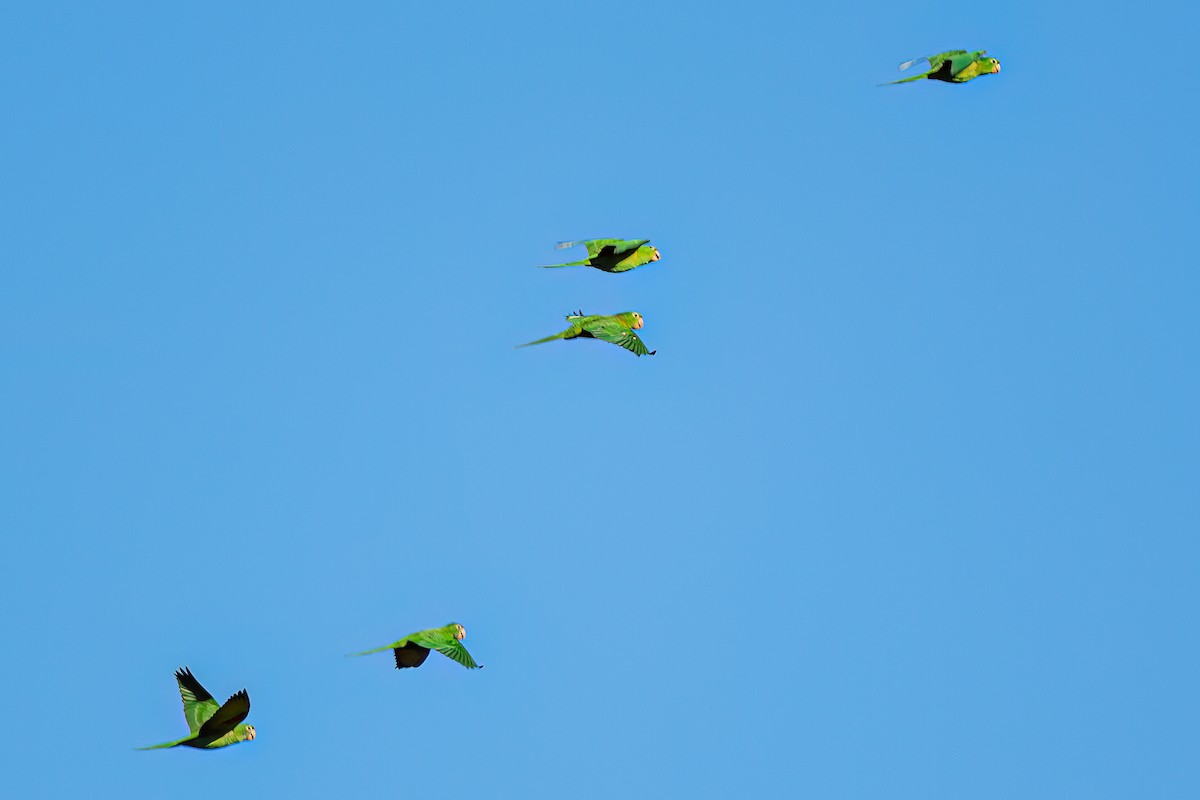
x=953, y=66
x=616, y=329
x=611, y=255
x=412, y=650
x=211, y=725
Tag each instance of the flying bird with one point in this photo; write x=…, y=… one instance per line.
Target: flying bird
x=953, y=66
x=412, y=650
x=616, y=329
x=611, y=255
x=210, y=725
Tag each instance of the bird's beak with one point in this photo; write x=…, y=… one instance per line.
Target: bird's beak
x=996, y=69
x=638, y=325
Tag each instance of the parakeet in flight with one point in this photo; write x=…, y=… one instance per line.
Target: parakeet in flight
x=211, y=725
x=611, y=255
x=412, y=650
x=616, y=329
x=953, y=66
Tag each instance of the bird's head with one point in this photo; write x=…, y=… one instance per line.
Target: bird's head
x=460, y=632
x=654, y=254
x=993, y=65
x=250, y=734
x=636, y=320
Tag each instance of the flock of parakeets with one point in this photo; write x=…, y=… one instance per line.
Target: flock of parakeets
x=212, y=725
x=607, y=255
x=622, y=255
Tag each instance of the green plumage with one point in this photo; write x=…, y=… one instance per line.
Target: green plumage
x=211, y=725
x=412, y=650
x=617, y=329
x=611, y=255
x=952, y=66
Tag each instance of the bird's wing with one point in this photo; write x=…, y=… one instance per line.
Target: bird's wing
x=453, y=649
x=620, y=248
x=198, y=704
x=410, y=654
x=938, y=58
x=912, y=61
x=960, y=61
x=934, y=60
x=228, y=716
x=616, y=333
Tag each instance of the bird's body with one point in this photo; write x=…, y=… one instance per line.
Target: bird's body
x=616, y=329
x=612, y=255
x=235, y=736
x=412, y=650
x=211, y=725
x=953, y=66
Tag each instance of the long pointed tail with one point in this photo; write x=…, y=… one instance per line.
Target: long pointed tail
x=164, y=744
x=905, y=80
x=905, y=66
x=583, y=263
x=368, y=652
x=565, y=334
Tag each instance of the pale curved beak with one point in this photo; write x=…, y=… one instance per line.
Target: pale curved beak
x=250, y=734
x=657, y=256
x=638, y=325
x=995, y=69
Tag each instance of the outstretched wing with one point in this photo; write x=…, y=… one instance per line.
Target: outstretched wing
x=616, y=333
x=228, y=716
x=910, y=62
x=934, y=60
x=621, y=247
x=454, y=650
x=198, y=704
x=410, y=655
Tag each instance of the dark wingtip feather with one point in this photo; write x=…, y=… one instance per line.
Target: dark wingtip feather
x=185, y=677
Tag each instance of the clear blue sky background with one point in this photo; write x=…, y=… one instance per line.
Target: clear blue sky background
x=905, y=506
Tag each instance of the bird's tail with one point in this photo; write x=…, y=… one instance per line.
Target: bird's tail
x=562, y=335
x=905, y=80
x=368, y=652
x=583, y=263
x=164, y=744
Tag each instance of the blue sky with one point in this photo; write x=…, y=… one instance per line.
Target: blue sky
x=903, y=507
